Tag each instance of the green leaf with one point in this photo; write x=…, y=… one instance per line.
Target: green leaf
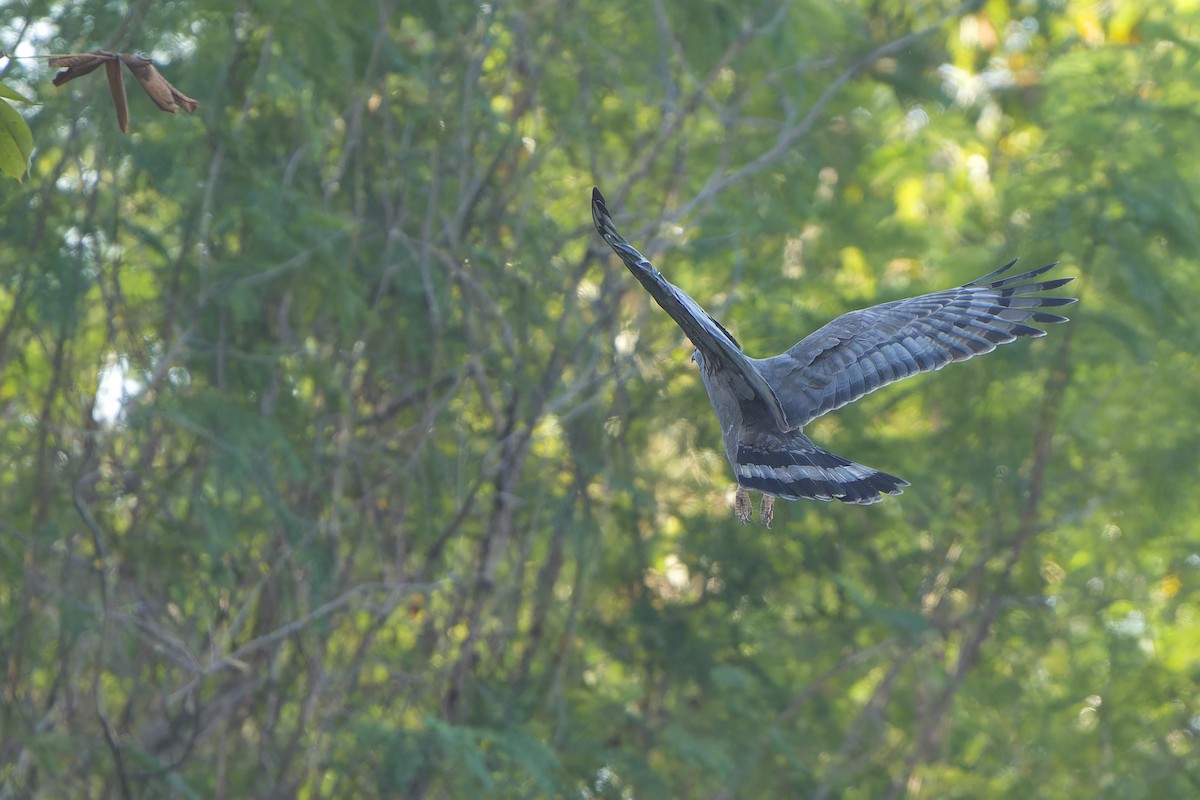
x=908, y=623
x=530, y=754
x=9, y=93
x=16, y=142
x=459, y=747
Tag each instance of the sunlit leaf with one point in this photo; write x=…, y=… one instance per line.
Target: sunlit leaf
x=9, y=93
x=16, y=142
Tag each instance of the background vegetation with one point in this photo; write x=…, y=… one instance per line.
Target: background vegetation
x=342, y=460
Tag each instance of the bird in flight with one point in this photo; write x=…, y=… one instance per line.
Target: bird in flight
x=763, y=404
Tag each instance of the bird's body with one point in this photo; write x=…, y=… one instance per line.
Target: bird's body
x=764, y=404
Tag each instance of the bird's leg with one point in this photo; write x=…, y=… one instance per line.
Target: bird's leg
x=766, y=511
x=741, y=505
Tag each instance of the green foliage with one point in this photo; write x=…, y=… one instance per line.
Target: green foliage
x=344, y=461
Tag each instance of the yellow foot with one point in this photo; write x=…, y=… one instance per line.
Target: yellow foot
x=741, y=505
x=766, y=512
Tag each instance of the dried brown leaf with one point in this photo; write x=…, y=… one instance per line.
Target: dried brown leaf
x=75, y=65
x=165, y=96
x=116, y=85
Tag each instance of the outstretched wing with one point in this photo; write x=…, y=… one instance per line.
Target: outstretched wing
x=723, y=355
x=864, y=350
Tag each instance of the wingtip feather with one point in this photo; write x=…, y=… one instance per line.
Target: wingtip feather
x=602, y=219
x=994, y=273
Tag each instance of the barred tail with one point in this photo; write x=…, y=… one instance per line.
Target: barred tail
x=797, y=469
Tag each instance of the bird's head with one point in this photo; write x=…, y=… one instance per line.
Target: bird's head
x=698, y=358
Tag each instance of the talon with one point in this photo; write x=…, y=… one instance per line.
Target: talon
x=766, y=511
x=741, y=505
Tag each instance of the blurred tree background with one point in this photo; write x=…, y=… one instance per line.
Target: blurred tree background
x=342, y=459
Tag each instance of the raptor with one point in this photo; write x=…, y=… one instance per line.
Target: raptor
x=763, y=404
